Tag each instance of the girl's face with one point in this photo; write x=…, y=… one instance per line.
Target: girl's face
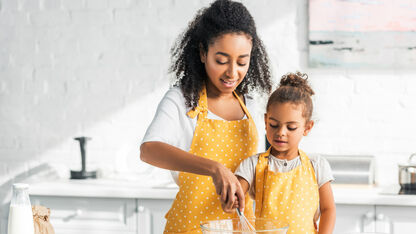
x=227, y=61
x=285, y=127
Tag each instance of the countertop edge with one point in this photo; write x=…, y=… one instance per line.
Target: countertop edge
x=343, y=195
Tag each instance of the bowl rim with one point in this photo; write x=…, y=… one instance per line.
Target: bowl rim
x=286, y=227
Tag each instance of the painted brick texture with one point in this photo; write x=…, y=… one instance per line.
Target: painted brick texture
x=98, y=68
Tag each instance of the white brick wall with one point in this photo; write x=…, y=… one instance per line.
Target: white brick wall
x=99, y=67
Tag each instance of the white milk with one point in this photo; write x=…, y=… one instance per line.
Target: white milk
x=20, y=220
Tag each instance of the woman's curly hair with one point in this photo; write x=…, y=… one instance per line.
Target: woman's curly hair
x=223, y=16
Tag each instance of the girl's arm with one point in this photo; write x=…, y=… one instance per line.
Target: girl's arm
x=327, y=208
x=169, y=157
x=244, y=184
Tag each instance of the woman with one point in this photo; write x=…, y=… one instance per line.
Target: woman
x=202, y=128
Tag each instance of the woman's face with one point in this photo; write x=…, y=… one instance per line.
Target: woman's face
x=227, y=61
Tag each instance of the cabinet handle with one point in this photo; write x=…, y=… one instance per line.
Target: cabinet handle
x=140, y=209
x=77, y=212
x=369, y=215
x=380, y=217
x=366, y=221
x=383, y=223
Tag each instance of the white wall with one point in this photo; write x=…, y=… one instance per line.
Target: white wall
x=99, y=67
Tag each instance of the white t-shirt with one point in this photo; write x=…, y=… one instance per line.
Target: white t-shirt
x=173, y=126
x=247, y=169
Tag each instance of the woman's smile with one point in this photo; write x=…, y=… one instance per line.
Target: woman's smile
x=229, y=83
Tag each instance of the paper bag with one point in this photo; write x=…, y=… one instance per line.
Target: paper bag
x=41, y=220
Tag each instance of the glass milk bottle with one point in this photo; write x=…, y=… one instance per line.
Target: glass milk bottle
x=20, y=214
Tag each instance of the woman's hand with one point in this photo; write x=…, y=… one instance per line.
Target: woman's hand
x=234, y=206
x=229, y=189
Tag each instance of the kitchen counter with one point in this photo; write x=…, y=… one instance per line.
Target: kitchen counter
x=103, y=188
x=371, y=195
x=139, y=206
x=107, y=188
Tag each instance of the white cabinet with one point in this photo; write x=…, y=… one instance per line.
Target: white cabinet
x=396, y=219
x=151, y=215
x=3, y=226
x=354, y=218
x=375, y=218
x=74, y=215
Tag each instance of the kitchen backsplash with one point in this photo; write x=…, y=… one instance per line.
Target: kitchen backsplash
x=98, y=68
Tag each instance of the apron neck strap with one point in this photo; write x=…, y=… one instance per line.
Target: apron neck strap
x=202, y=107
x=242, y=105
x=261, y=167
x=303, y=157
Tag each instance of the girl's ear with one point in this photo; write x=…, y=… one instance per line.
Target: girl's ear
x=202, y=54
x=308, y=127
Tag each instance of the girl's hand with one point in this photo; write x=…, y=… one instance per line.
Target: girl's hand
x=229, y=188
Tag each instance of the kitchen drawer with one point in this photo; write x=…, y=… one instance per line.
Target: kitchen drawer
x=90, y=215
x=3, y=225
x=151, y=215
x=396, y=219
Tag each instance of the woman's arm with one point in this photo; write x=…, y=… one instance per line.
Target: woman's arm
x=245, y=186
x=169, y=157
x=327, y=208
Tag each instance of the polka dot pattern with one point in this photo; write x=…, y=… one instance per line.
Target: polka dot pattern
x=292, y=196
x=227, y=142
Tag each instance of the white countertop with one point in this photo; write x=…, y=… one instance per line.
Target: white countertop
x=107, y=188
x=104, y=188
x=371, y=195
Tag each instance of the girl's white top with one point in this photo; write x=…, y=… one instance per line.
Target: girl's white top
x=173, y=126
x=247, y=169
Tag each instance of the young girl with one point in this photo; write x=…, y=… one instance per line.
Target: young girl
x=286, y=183
x=203, y=127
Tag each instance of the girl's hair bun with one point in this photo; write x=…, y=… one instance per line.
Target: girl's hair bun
x=294, y=88
x=297, y=80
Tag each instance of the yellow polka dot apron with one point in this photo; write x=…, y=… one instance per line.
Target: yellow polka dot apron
x=227, y=142
x=291, y=196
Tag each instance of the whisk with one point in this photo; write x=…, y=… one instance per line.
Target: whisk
x=245, y=224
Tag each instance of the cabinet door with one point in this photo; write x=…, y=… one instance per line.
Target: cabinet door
x=396, y=219
x=354, y=218
x=151, y=215
x=3, y=225
x=74, y=215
